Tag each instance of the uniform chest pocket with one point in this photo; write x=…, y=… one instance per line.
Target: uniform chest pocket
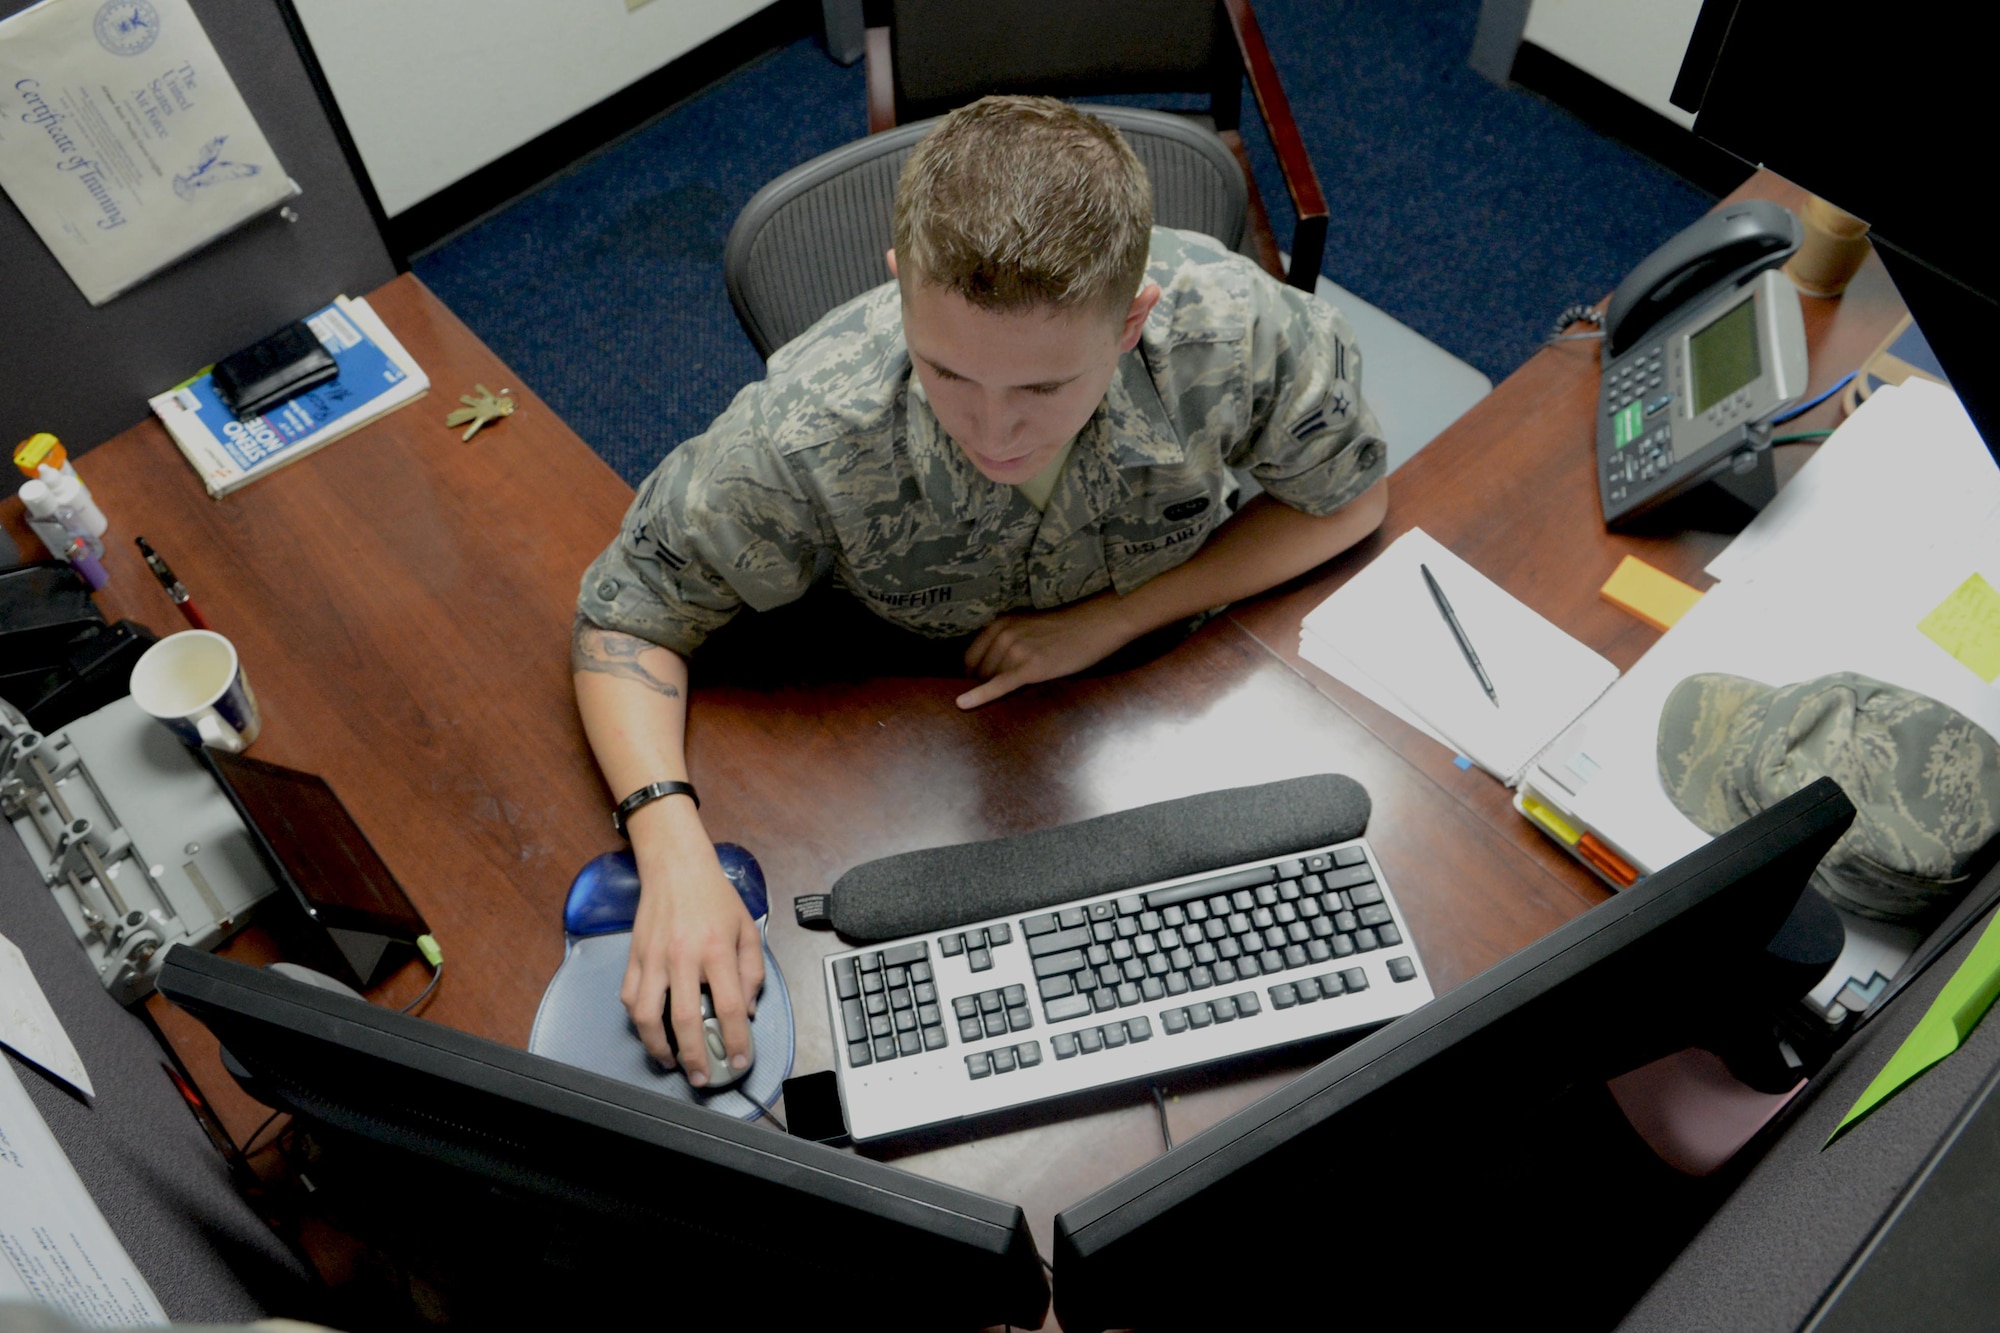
x=1142, y=545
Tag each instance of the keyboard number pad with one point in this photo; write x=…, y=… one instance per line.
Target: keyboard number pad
x=889, y=1004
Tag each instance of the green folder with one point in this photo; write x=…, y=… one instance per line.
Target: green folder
x=1949, y=1021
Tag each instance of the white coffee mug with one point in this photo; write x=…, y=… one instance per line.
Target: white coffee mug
x=194, y=682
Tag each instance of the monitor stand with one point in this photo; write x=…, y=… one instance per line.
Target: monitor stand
x=363, y=951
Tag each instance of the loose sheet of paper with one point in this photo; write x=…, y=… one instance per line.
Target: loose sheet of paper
x=1907, y=466
x=29, y=1027
x=56, y=1249
x=1384, y=624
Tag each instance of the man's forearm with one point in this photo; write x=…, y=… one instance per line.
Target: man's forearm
x=1260, y=548
x=633, y=698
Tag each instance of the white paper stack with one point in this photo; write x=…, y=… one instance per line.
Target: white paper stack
x=1383, y=636
x=377, y=376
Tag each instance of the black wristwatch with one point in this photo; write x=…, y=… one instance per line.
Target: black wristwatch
x=646, y=795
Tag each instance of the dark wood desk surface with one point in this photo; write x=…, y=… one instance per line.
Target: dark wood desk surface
x=402, y=602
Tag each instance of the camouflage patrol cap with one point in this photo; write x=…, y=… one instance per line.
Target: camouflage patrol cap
x=1924, y=778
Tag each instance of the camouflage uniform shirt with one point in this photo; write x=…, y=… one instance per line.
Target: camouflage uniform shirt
x=834, y=466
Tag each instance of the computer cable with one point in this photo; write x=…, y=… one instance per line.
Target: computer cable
x=427, y=945
x=1804, y=408
x=1160, y=1102
x=768, y=1114
x=1802, y=437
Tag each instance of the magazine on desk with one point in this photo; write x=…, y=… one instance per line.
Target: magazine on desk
x=376, y=377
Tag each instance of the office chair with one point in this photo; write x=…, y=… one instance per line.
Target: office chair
x=814, y=237
x=937, y=54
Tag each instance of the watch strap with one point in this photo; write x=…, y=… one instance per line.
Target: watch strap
x=645, y=796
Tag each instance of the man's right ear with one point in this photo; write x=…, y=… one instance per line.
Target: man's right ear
x=890, y=255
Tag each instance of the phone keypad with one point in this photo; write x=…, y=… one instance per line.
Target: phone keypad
x=1637, y=375
x=1634, y=395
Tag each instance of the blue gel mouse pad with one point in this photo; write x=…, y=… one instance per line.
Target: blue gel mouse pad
x=581, y=1022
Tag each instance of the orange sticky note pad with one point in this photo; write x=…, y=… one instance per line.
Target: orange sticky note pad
x=1656, y=598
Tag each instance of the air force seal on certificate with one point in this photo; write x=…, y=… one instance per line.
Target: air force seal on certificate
x=127, y=27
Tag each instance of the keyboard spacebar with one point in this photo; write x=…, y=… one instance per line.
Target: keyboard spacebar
x=1202, y=888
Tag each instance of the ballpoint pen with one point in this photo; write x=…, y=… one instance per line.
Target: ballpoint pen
x=1458, y=632
x=175, y=589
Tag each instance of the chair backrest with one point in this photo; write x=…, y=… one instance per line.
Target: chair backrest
x=814, y=237
x=950, y=52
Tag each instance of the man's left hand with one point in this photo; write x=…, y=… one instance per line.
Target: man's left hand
x=1019, y=650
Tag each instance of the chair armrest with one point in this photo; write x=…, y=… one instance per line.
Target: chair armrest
x=1309, y=240
x=881, y=82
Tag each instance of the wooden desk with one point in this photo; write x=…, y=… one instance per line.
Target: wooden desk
x=402, y=604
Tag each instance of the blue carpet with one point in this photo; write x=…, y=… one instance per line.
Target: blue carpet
x=1470, y=212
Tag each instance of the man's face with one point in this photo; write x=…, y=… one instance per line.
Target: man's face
x=1012, y=388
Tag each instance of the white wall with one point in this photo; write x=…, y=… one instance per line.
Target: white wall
x=1634, y=45
x=435, y=89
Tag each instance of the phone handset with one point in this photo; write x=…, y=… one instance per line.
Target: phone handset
x=1724, y=249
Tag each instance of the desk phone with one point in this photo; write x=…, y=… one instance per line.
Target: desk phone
x=1703, y=344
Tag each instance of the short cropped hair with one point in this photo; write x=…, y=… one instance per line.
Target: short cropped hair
x=1022, y=202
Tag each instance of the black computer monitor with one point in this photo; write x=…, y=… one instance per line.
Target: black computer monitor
x=520, y=1192
x=1463, y=1167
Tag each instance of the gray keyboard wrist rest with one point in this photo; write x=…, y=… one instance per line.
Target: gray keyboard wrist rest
x=941, y=887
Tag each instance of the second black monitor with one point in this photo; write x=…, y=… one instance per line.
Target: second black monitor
x=1463, y=1166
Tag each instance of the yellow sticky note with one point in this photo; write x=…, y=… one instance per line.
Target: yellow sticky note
x=1656, y=597
x=1967, y=625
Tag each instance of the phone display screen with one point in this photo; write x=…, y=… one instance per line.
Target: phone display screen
x=1723, y=356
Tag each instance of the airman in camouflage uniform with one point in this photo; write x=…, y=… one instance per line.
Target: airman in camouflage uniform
x=834, y=466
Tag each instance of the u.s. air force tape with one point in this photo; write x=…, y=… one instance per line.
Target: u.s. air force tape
x=942, y=887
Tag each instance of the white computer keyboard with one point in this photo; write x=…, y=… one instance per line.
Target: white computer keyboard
x=1118, y=988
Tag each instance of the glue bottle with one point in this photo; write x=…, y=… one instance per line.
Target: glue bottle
x=78, y=512
x=44, y=516
x=39, y=449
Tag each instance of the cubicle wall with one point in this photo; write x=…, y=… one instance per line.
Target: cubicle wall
x=86, y=373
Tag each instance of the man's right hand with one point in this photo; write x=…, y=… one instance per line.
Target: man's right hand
x=691, y=929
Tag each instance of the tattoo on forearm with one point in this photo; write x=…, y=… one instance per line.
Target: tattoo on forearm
x=610, y=653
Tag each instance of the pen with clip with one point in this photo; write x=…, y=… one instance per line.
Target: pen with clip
x=1458, y=632
x=175, y=589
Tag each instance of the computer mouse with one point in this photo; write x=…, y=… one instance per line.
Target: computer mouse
x=720, y=1075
